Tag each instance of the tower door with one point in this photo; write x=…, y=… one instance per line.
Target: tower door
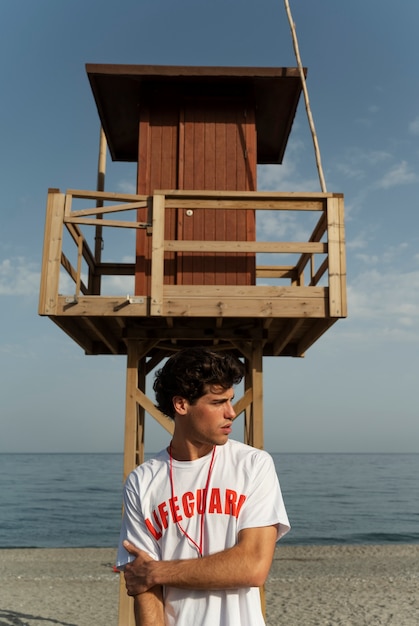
x=217, y=151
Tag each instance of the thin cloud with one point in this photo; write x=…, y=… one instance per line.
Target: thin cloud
x=368, y=259
x=356, y=163
x=360, y=242
x=287, y=176
x=400, y=174
x=127, y=186
x=118, y=285
x=285, y=225
x=388, y=303
x=391, y=255
x=19, y=277
x=414, y=127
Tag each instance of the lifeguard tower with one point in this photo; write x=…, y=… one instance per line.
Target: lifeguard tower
x=199, y=274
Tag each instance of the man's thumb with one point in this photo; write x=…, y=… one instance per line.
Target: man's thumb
x=129, y=547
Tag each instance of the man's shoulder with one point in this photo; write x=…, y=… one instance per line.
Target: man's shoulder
x=234, y=447
x=151, y=465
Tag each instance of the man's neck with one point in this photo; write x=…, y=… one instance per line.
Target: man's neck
x=186, y=451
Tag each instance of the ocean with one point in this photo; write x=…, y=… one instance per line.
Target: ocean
x=74, y=500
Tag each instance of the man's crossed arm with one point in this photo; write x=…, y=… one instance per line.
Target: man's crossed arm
x=246, y=564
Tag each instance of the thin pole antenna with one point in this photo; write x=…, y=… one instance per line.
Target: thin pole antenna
x=101, y=172
x=306, y=98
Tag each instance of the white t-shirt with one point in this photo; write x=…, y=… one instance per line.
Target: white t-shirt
x=243, y=492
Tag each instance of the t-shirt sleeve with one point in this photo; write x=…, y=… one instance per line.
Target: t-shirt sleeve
x=264, y=505
x=133, y=526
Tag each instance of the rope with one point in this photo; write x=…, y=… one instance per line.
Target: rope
x=306, y=98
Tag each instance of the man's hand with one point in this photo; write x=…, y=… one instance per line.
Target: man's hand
x=137, y=574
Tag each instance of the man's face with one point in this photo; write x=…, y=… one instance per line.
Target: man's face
x=209, y=419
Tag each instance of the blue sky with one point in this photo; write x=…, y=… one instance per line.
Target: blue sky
x=356, y=389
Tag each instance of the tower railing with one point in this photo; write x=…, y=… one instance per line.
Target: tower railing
x=303, y=278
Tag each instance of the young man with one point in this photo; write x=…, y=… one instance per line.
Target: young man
x=202, y=517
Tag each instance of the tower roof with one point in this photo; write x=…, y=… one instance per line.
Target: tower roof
x=121, y=90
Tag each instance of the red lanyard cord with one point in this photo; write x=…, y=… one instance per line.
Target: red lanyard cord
x=200, y=546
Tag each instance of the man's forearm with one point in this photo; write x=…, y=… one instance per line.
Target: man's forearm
x=244, y=565
x=224, y=570
x=148, y=608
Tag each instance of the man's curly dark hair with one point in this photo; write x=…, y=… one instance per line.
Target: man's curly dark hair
x=188, y=372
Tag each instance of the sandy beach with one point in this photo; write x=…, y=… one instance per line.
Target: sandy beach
x=307, y=586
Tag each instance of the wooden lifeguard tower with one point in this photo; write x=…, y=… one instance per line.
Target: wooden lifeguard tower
x=199, y=272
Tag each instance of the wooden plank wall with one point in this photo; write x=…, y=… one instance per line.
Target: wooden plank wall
x=197, y=145
x=217, y=152
x=157, y=169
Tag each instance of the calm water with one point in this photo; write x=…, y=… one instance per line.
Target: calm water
x=74, y=500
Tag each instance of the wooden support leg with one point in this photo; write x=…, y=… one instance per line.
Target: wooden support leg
x=254, y=381
x=131, y=410
x=248, y=413
x=257, y=404
x=133, y=443
x=126, y=604
x=254, y=413
x=141, y=412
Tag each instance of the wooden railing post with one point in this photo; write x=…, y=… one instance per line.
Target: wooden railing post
x=157, y=255
x=342, y=254
x=51, y=259
x=336, y=255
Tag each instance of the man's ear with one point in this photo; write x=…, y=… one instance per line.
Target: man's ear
x=180, y=405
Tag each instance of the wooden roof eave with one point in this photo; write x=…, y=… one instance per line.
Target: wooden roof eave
x=121, y=90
